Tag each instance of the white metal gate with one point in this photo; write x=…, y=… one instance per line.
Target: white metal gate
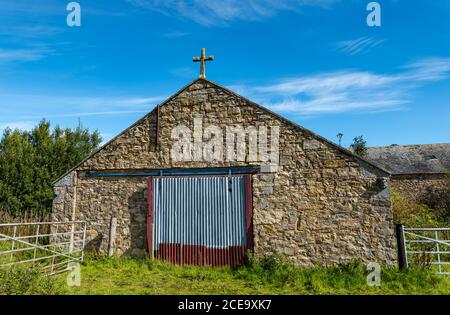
x=50, y=246
x=428, y=247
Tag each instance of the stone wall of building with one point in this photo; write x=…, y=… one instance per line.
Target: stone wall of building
x=322, y=205
x=64, y=202
x=415, y=187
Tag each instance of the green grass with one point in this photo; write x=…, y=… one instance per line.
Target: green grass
x=271, y=275
x=23, y=281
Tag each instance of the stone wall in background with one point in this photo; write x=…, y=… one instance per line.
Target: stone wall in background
x=415, y=187
x=322, y=205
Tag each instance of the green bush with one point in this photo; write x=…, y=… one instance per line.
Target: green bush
x=412, y=214
x=31, y=160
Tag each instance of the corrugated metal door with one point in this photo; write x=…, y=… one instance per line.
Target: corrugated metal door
x=200, y=220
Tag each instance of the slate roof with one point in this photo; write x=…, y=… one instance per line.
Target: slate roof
x=412, y=159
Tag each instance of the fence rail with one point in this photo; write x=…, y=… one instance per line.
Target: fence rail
x=50, y=246
x=425, y=247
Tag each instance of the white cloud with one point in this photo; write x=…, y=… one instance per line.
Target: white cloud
x=39, y=8
x=221, y=12
x=90, y=114
x=428, y=69
x=175, y=34
x=30, y=31
x=184, y=72
x=347, y=90
x=35, y=107
x=20, y=7
x=327, y=82
x=32, y=54
x=108, y=102
x=359, y=45
x=22, y=125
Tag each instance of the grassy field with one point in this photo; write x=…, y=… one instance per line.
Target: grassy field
x=271, y=275
x=267, y=276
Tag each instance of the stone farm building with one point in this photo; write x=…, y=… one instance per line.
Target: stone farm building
x=313, y=201
x=415, y=169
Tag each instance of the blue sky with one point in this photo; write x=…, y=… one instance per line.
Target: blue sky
x=314, y=61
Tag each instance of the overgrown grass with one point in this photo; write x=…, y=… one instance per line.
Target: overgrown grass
x=30, y=282
x=270, y=275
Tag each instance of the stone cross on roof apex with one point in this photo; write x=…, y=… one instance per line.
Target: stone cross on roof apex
x=203, y=59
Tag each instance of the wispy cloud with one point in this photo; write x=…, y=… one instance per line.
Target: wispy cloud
x=359, y=45
x=22, y=125
x=27, y=108
x=88, y=114
x=30, y=107
x=350, y=90
x=221, y=12
x=30, y=31
x=25, y=54
x=19, y=7
x=175, y=34
x=108, y=102
x=428, y=69
x=183, y=72
x=39, y=8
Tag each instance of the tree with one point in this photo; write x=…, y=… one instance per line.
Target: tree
x=359, y=146
x=31, y=160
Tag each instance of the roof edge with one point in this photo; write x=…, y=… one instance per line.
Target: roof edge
x=342, y=149
x=420, y=174
x=124, y=131
x=407, y=145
